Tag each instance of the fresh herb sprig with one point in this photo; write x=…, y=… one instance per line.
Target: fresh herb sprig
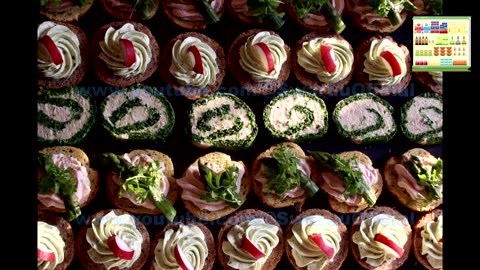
x=353, y=180
x=385, y=8
x=267, y=10
x=428, y=176
x=207, y=11
x=140, y=181
x=220, y=186
x=283, y=174
x=305, y=7
x=143, y=7
x=59, y=181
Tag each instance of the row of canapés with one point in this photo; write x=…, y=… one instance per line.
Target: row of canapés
x=214, y=187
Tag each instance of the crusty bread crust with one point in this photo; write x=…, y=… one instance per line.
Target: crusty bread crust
x=104, y=74
x=417, y=236
x=362, y=77
x=219, y=158
x=127, y=16
x=425, y=80
x=82, y=246
x=191, y=92
x=245, y=80
x=82, y=157
x=112, y=189
x=271, y=199
x=209, y=240
x=245, y=215
x=186, y=25
x=310, y=80
x=78, y=75
x=374, y=27
x=369, y=213
x=391, y=178
x=341, y=255
x=66, y=232
x=70, y=16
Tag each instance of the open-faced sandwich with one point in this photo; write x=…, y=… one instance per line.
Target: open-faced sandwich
x=134, y=10
x=65, y=10
x=349, y=179
x=431, y=81
x=427, y=7
x=193, y=14
x=214, y=186
x=258, y=13
x=141, y=182
x=314, y=15
x=428, y=240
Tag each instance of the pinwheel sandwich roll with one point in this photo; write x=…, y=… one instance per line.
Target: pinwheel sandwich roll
x=65, y=116
x=297, y=116
x=428, y=240
x=421, y=119
x=365, y=118
x=138, y=113
x=282, y=176
x=65, y=11
x=126, y=10
x=349, y=180
x=193, y=15
x=415, y=179
x=221, y=121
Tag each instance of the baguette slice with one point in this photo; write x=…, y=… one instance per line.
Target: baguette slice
x=126, y=11
x=391, y=179
x=112, y=189
x=417, y=237
x=177, y=13
x=63, y=13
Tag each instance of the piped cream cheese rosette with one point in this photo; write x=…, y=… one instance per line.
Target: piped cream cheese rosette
x=50, y=246
x=428, y=240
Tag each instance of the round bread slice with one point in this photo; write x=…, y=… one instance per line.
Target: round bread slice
x=369, y=213
x=391, y=178
x=313, y=21
x=242, y=77
x=68, y=11
x=129, y=11
x=274, y=200
x=188, y=15
x=82, y=157
x=418, y=227
x=192, y=92
x=82, y=246
x=425, y=80
x=101, y=70
x=342, y=253
x=78, y=75
x=112, y=189
x=220, y=160
x=310, y=80
x=246, y=215
x=363, y=77
x=66, y=232
x=361, y=13
x=209, y=240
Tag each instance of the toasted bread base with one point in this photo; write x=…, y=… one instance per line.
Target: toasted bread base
x=129, y=15
x=374, y=27
x=341, y=255
x=417, y=237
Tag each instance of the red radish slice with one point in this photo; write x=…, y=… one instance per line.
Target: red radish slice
x=249, y=247
x=49, y=45
x=318, y=239
x=181, y=259
x=326, y=52
x=265, y=54
x=389, y=243
x=48, y=256
x=120, y=248
x=393, y=63
x=198, y=67
x=128, y=52
x=441, y=240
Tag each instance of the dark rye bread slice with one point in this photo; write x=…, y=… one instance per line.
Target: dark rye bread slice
x=82, y=246
x=417, y=236
x=78, y=75
x=425, y=80
x=342, y=253
x=242, y=77
x=310, y=80
x=82, y=157
x=209, y=240
x=362, y=77
x=130, y=14
x=220, y=159
x=369, y=213
x=391, y=178
x=191, y=92
x=104, y=74
x=112, y=189
x=246, y=215
x=66, y=232
x=380, y=27
x=187, y=24
x=321, y=28
x=65, y=14
x=271, y=199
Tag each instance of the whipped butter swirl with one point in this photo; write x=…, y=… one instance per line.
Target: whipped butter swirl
x=378, y=68
x=183, y=62
x=305, y=251
x=373, y=251
x=261, y=234
x=191, y=241
x=50, y=240
x=252, y=61
x=431, y=247
x=309, y=57
x=112, y=52
x=67, y=43
x=437, y=76
x=123, y=226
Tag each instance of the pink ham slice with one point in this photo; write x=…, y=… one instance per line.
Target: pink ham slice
x=120, y=5
x=366, y=12
x=317, y=19
x=408, y=182
x=64, y=6
x=188, y=11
